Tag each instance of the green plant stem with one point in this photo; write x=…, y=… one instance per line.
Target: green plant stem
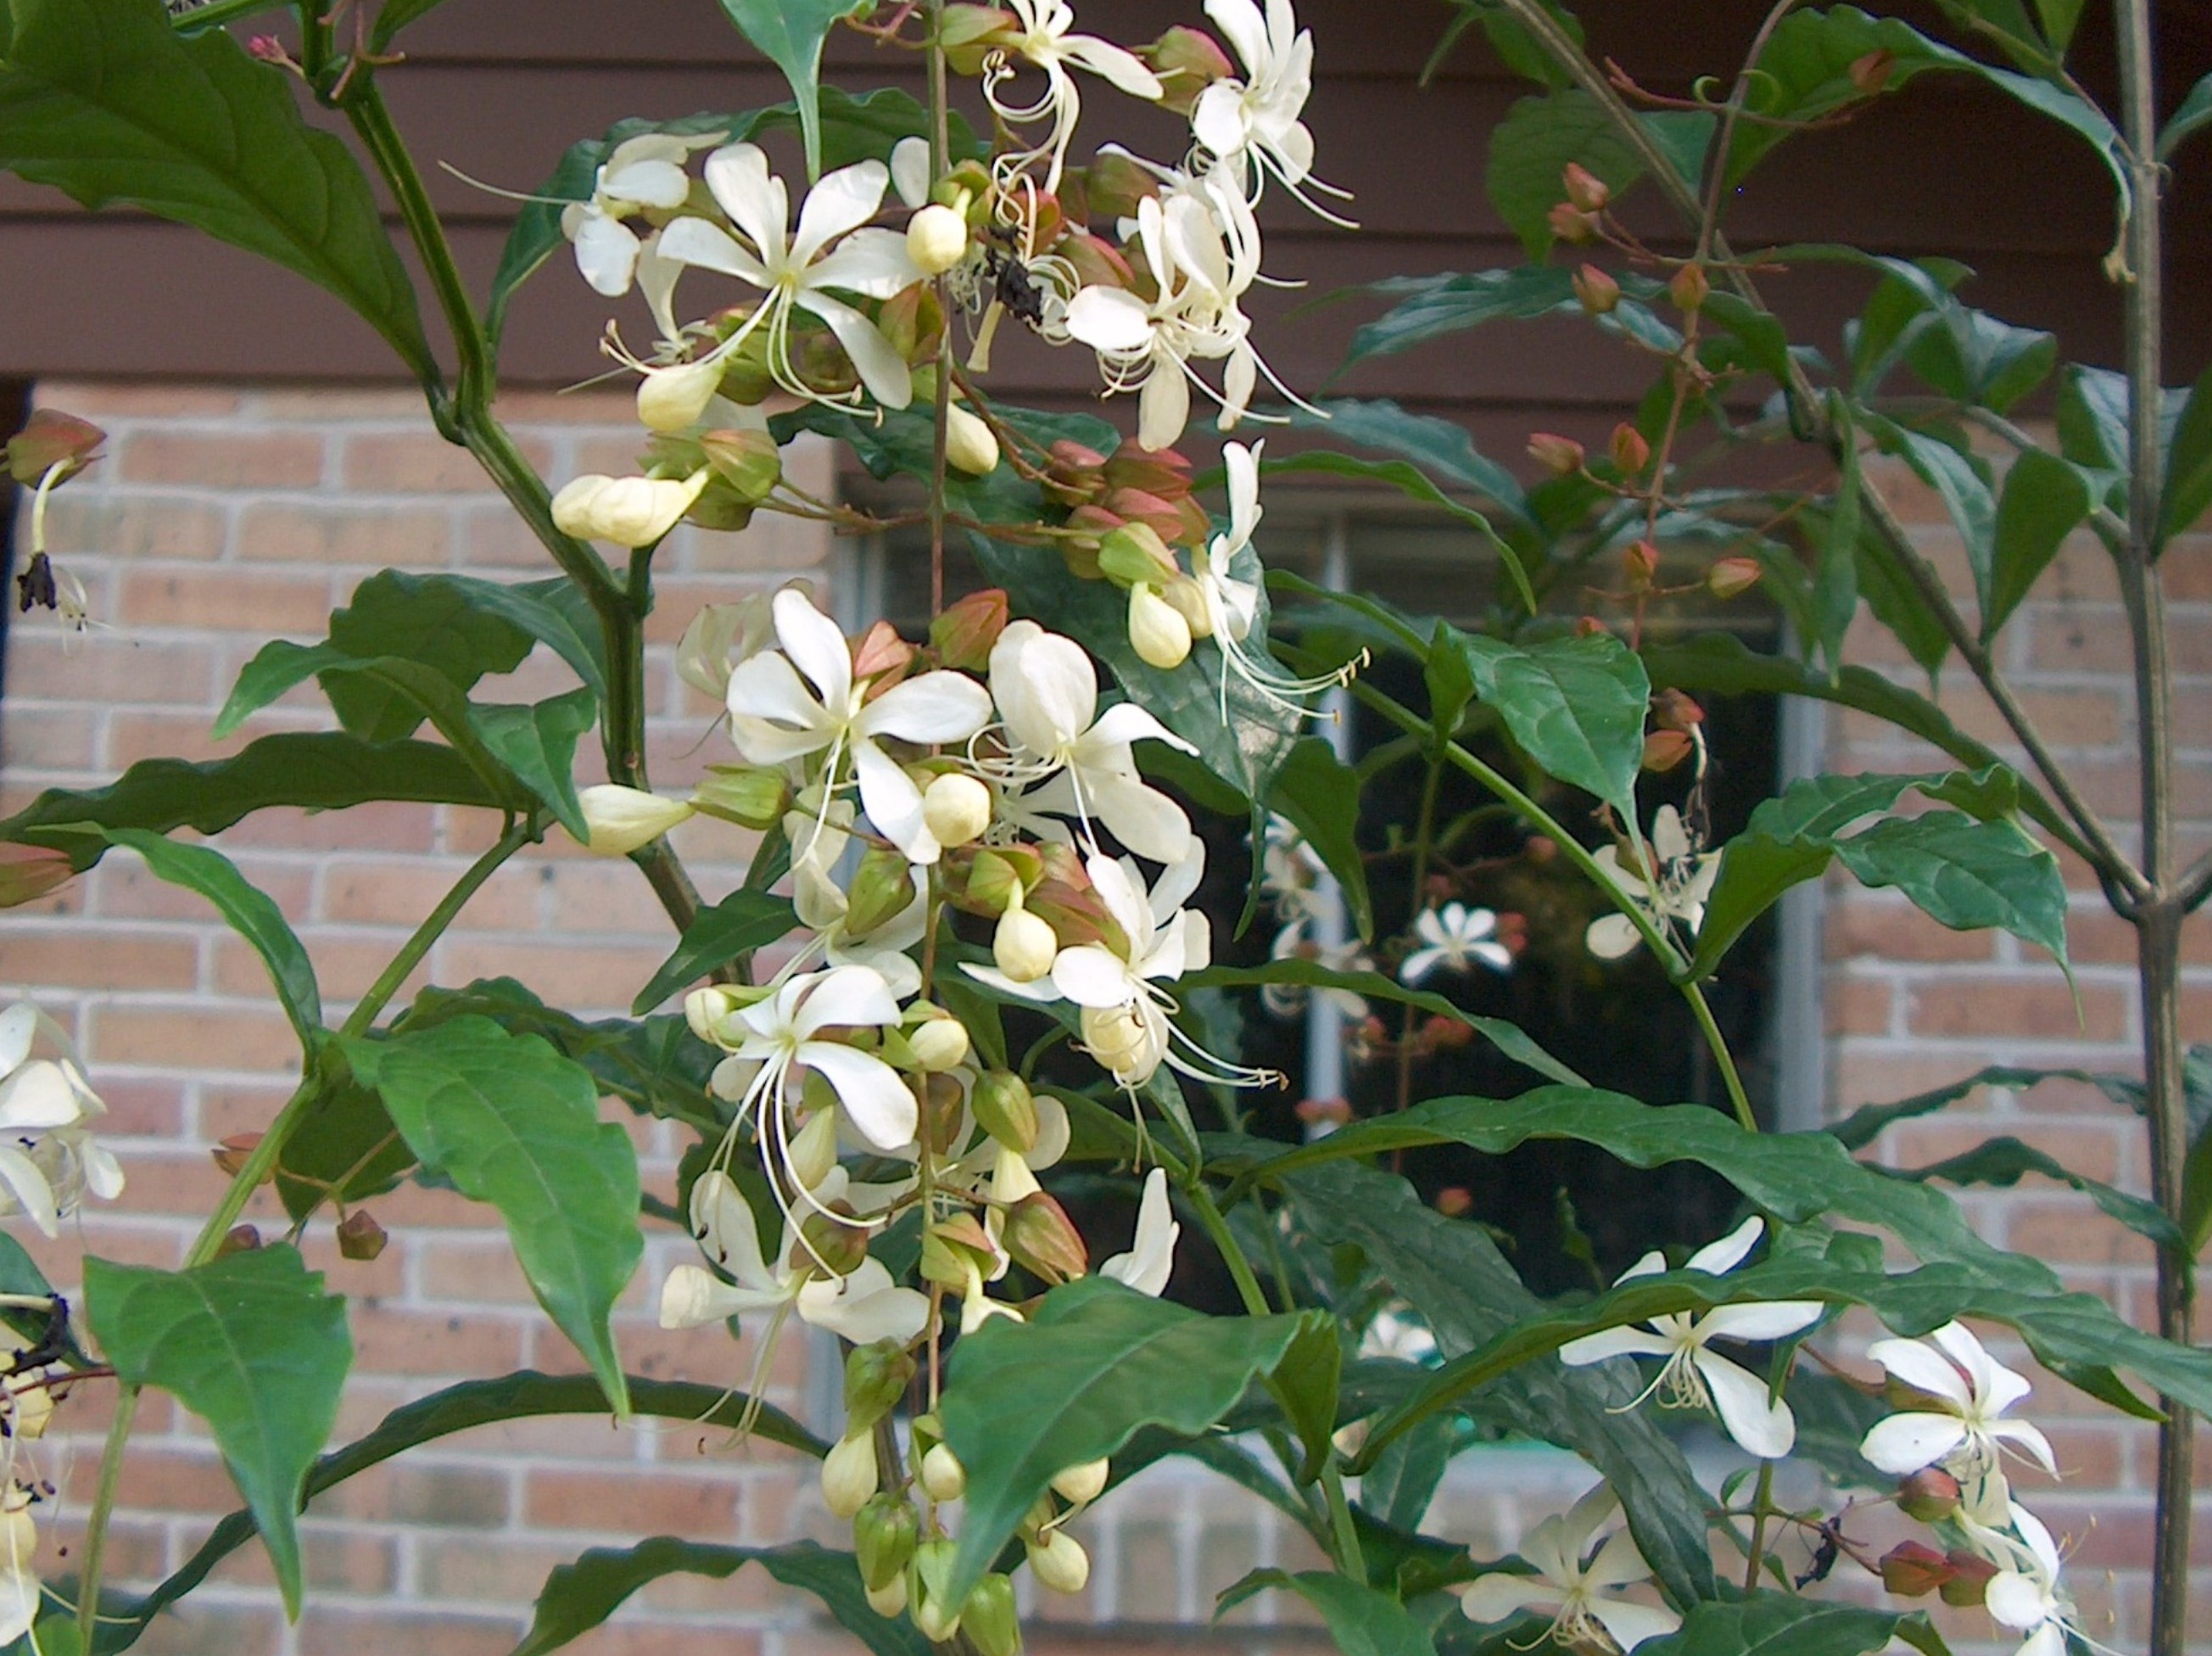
x=419, y=943
x=93, y=1553
x=1350, y=1560
x=1762, y=1500
x=1216, y=1226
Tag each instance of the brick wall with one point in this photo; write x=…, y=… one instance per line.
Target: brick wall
x=222, y=517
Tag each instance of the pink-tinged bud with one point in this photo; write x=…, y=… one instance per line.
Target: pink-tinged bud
x=239, y=1238
x=995, y=879
x=833, y=1240
x=748, y=461
x=1589, y=626
x=1586, y=191
x=1672, y=710
x=1446, y=1034
x=1570, y=224
x=230, y=1155
x=51, y=438
x=1115, y=183
x=1187, y=61
x=1044, y=1240
x=1165, y=472
x=1097, y=264
x=1969, y=1582
x=1871, y=73
x=1164, y=518
x=1561, y=456
x=1333, y=1112
x=268, y=49
x=1665, y=749
x=971, y=34
x=29, y=871
x=360, y=1237
x=954, y=1245
x=1730, y=576
x=912, y=321
x=1598, y=292
x=1454, y=1200
x=879, y=653
x=1930, y=1495
x=1628, y=450
x=1639, y=565
x=1689, y=289
x=963, y=633
x=1912, y=1569
x=940, y=1102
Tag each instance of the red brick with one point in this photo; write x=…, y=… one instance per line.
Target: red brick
x=400, y=894
x=231, y=601
x=81, y=957
x=2040, y=1009
x=419, y=1490
x=108, y=668
x=136, y=527
x=199, y=1038
x=701, y=1507
x=412, y=463
x=1855, y=927
x=395, y=1341
x=1859, y=1006
x=328, y=1631
x=227, y=459
x=413, y=537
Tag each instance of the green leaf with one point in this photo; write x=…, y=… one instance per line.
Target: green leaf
x=250, y=912
x=1967, y=875
x=315, y=772
x=1400, y=1484
x=2187, y=490
x=103, y=99
x=1962, y=482
x=278, y=666
x=1304, y=1382
x=741, y=922
x=537, y=745
x=1779, y=1624
x=343, y=1147
x=1441, y=447
x=2194, y=113
x=580, y=1597
x=1889, y=592
x=431, y=620
x=1836, y=578
x=1529, y=149
x=1508, y=1037
x=512, y=1122
x=1361, y=1621
x=1576, y=706
x=2005, y=1160
x=1452, y=301
x=250, y=1343
x=1320, y=794
x=1026, y=1401
x=1804, y=74
x=2043, y=500
x=789, y=33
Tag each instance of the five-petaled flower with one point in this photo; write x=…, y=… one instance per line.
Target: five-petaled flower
x=1455, y=937
x=1578, y=1586
x=1962, y=1429
x=1674, y=889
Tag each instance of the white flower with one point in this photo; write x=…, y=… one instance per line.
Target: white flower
x=1694, y=1375
x=642, y=172
x=1290, y=869
x=1397, y=1334
x=20, y=1593
x=798, y=270
x=1151, y=1257
x=1292, y=943
x=774, y=717
x=48, y=1158
x=1251, y=126
x=1046, y=44
x=1455, y=937
x=863, y=1306
x=1046, y=692
x=2024, y=1594
x=719, y=637
x=619, y=820
x=783, y=1031
x=1576, y=1584
x=1964, y=1433
x=1677, y=890
x=629, y=512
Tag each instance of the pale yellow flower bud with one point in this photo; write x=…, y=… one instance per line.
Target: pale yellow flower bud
x=1189, y=601
x=707, y=1009
x=1023, y=945
x=620, y=819
x=936, y=240
x=627, y=511
x=674, y=398
x=1118, y=1038
x=889, y=1599
x=1059, y=1562
x=956, y=809
x=943, y=1476
x=814, y=1148
x=1082, y=1484
x=969, y=445
x=1158, y=631
x=939, y=1044
x=848, y=1474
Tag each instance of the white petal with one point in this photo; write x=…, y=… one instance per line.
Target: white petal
x=815, y=646
x=2017, y=1600
x=881, y=369
x=18, y=1027
x=894, y=803
x=1151, y=1258
x=772, y=717
x=695, y=242
x=651, y=183
x=2029, y=1438
x=1041, y=991
x=1497, y=1595
x=847, y=996
x=606, y=253
x=1111, y=63
x=866, y=1307
x=875, y=1100
x=1142, y=818
x=1163, y=408
x=1419, y=963
x=1761, y=1423
x=1046, y=688
x=1914, y=1363
x=1614, y=1343
x=844, y=200
x=1730, y=1250
x=693, y=1296
x=755, y=201
x=1092, y=976
x=1241, y=21
x=722, y=1224
x=38, y=1095
x=1770, y=1320
x=1217, y=120
x=1120, y=725
x=1632, y=1624
x=872, y=263
x=1109, y=319
x=29, y=1188
x=935, y=709
x=910, y=170
x=1618, y=1563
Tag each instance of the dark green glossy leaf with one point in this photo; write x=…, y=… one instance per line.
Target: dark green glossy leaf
x=343, y=1147
x=1320, y=794
x=1896, y=602
x=741, y=922
x=789, y=33
x=317, y=772
x=536, y=743
x=2186, y=491
x=2003, y=1161
x=1441, y=447
x=427, y=620
x=2194, y=112
x=1778, y=1624
x=1804, y=74
x=580, y=1597
x=1452, y=301
x=250, y=912
x=512, y=1123
x=1304, y=1382
x=1361, y=1621
x=1965, y=874
x=2043, y=500
x=1402, y=1482
x=1576, y=706
x=1960, y=481
x=1530, y=149
x=1026, y=1401
x=1835, y=593
x=102, y=99
x=250, y=1343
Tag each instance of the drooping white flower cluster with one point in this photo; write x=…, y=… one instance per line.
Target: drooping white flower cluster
x=49, y=1159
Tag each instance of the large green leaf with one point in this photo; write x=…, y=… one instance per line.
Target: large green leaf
x=1362, y=1621
x=315, y=772
x=580, y=1597
x=2194, y=112
x=1575, y=705
x=512, y=1123
x=102, y=99
x=741, y=922
x=1805, y=73
x=2187, y=490
x=536, y=743
x=1778, y=1624
x=1529, y=149
x=1024, y=1402
x=1442, y=448
x=1452, y=301
x=1968, y=874
x=2005, y=1160
x=250, y=1343
x=789, y=34
x=1320, y=794
x=1961, y=481
x=343, y=1148
x=2043, y=500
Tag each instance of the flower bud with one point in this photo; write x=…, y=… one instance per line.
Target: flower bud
x=937, y=1619
x=881, y=654
x=1082, y=1483
x=1454, y=1200
x=709, y=1010
x=940, y=1044
x=753, y=796
x=1059, y=1562
x=239, y=1238
x=1665, y=749
x=953, y=1246
x=1672, y=710
x=1117, y=1037
x=943, y=1477
x=1158, y=631
x=1912, y=1569
x=1115, y=183
x=963, y=632
x=360, y=1237
x=1187, y=598
x=1134, y=553
x=1570, y=223
x=1187, y=61
x=619, y=820
x=848, y=1474
x=1871, y=73
x=940, y=1104
x=1006, y=1109
x=936, y=240
x=231, y=1154
x=1023, y=945
x=673, y=398
x=832, y=1240
x=889, y=1599
x=1043, y=1240
x=1587, y=191
x=876, y=1378
x=1561, y=456
x=1639, y=565
x=1731, y=576
x=1969, y=1581
x=969, y=445
x=1689, y=289
x=1598, y=292
x=748, y=461
x=989, y=1620
x=1930, y=1495
x=883, y=1537
x=1628, y=449
x=957, y=808
x=51, y=438
x=814, y=1148
x=627, y=511
x=882, y=889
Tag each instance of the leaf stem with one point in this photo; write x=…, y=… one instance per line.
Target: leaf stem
x=1350, y=1560
x=103, y=1508
x=520, y=832
x=1216, y=1226
x=1762, y=1502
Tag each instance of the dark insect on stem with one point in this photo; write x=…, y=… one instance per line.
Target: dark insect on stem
x=1010, y=281
x=1824, y=1554
x=34, y=587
